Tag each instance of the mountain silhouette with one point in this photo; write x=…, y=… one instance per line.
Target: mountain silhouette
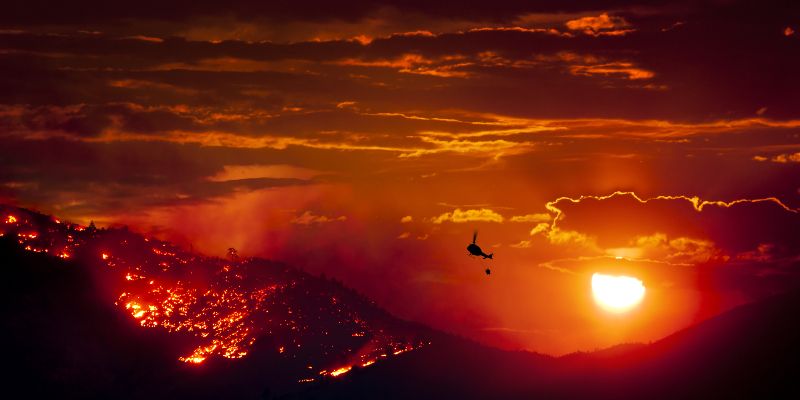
x=749, y=352
x=110, y=313
x=70, y=333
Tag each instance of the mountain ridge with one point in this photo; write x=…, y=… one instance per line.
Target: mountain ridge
x=71, y=340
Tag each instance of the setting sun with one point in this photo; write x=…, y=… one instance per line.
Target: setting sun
x=617, y=294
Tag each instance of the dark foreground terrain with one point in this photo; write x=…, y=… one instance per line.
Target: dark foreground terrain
x=63, y=339
x=751, y=352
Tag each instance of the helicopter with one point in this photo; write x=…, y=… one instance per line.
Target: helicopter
x=475, y=250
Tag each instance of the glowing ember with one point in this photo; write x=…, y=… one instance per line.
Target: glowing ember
x=225, y=304
x=340, y=371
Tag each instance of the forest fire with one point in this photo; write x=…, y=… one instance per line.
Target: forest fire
x=340, y=371
x=223, y=306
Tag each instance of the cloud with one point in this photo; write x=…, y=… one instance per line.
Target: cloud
x=406, y=219
x=447, y=66
x=683, y=250
x=541, y=217
x=564, y=237
x=601, y=24
x=613, y=69
x=780, y=158
x=557, y=236
x=540, y=228
x=309, y=218
x=472, y=215
x=238, y=172
x=75, y=178
x=523, y=244
x=731, y=230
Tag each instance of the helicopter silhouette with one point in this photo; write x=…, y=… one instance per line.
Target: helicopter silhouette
x=475, y=250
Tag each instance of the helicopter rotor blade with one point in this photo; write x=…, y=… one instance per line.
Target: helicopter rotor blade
x=474, y=236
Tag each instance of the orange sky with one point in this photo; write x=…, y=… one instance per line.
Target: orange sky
x=367, y=141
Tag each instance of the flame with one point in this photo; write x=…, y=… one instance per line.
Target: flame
x=227, y=313
x=340, y=371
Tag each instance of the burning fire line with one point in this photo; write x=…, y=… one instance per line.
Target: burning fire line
x=227, y=315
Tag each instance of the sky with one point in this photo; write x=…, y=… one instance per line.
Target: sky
x=366, y=141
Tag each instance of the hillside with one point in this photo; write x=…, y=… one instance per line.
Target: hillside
x=89, y=309
x=109, y=313
x=749, y=352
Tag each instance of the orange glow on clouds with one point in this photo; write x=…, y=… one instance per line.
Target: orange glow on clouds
x=369, y=146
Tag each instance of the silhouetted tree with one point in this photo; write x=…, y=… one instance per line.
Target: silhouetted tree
x=233, y=255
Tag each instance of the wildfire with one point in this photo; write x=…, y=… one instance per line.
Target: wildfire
x=226, y=304
x=340, y=371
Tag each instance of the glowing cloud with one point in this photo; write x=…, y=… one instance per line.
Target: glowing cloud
x=697, y=203
x=780, y=158
x=237, y=172
x=613, y=69
x=684, y=250
x=531, y=218
x=309, y=218
x=679, y=250
x=599, y=25
x=460, y=216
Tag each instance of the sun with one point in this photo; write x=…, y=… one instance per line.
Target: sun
x=617, y=294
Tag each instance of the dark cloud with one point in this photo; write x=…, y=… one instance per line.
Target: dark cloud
x=739, y=229
x=90, y=178
x=651, y=72
x=90, y=11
